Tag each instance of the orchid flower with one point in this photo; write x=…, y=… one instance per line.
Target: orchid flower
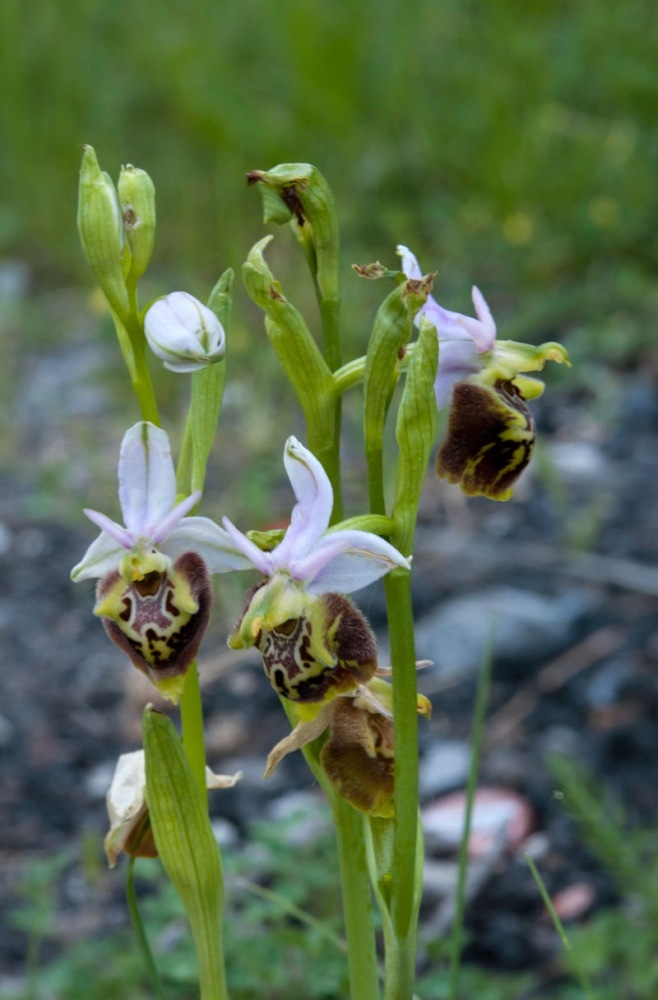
x=491, y=431
x=314, y=641
x=154, y=591
x=156, y=529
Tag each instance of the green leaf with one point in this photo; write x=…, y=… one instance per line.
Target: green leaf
x=186, y=845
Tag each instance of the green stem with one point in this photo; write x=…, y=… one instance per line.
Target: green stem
x=400, y=968
x=331, y=344
x=191, y=711
x=131, y=342
x=140, y=931
x=354, y=879
x=357, y=902
x=405, y=898
x=333, y=355
x=349, y=375
x=141, y=381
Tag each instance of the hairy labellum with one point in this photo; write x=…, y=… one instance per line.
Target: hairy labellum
x=358, y=757
x=314, y=648
x=491, y=435
x=160, y=620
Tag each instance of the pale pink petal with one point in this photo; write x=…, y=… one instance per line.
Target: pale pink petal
x=116, y=531
x=147, y=481
x=312, y=512
x=345, y=561
x=256, y=557
x=164, y=527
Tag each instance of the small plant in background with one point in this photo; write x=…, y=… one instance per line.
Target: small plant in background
x=356, y=722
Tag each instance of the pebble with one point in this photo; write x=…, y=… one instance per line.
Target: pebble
x=527, y=627
x=443, y=767
x=496, y=812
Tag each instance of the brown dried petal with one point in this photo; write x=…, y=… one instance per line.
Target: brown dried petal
x=358, y=757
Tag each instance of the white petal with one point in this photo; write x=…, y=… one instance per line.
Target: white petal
x=102, y=555
x=147, y=480
x=410, y=265
x=345, y=561
x=207, y=539
x=315, y=499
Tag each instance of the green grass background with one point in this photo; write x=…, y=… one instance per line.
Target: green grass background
x=512, y=144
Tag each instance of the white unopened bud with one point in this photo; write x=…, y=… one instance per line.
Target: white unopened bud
x=184, y=333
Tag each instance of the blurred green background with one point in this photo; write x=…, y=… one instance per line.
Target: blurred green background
x=511, y=144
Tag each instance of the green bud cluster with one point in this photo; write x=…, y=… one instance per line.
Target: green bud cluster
x=117, y=228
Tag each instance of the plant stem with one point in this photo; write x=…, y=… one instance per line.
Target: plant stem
x=357, y=902
x=191, y=711
x=140, y=931
x=404, y=896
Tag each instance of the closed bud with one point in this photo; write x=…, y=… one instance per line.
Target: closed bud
x=137, y=201
x=184, y=333
x=101, y=231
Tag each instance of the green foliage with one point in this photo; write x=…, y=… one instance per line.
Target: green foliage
x=511, y=144
x=618, y=948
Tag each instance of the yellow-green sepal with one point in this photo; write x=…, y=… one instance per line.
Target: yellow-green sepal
x=186, y=845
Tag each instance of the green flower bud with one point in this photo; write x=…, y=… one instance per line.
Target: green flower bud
x=101, y=231
x=137, y=200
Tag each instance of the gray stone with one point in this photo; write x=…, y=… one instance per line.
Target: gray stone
x=443, y=767
x=526, y=627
